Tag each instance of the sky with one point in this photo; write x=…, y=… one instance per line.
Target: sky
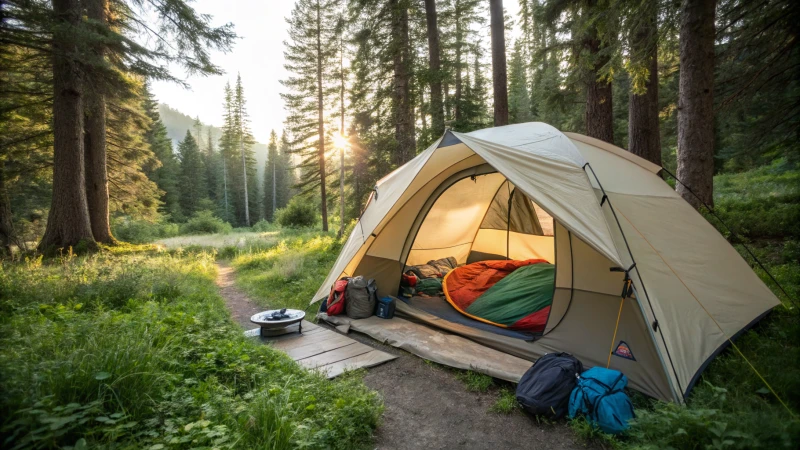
x=257, y=55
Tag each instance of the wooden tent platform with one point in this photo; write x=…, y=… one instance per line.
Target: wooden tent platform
x=319, y=348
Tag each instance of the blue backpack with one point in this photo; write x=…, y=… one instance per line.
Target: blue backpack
x=601, y=398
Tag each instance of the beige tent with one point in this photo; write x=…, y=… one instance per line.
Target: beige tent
x=599, y=208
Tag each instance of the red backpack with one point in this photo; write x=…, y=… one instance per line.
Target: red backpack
x=335, y=302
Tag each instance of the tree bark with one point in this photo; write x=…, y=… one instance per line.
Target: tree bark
x=499, y=69
x=434, y=56
x=68, y=221
x=696, y=102
x=94, y=138
x=6, y=221
x=644, y=138
x=599, y=111
x=321, y=124
x=458, y=82
x=404, y=114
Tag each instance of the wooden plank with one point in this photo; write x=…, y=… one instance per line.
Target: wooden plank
x=369, y=359
x=304, y=351
x=292, y=329
x=336, y=355
x=299, y=340
x=332, y=340
x=314, y=331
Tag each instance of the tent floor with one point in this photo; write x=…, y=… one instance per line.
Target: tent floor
x=443, y=348
x=440, y=308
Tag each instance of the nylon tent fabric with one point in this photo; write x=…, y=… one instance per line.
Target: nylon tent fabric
x=692, y=290
x=557, y=185
x=520, y=218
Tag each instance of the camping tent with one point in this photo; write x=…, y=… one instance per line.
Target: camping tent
x=603, y=216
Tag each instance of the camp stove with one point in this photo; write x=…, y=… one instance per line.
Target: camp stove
x=275, y=321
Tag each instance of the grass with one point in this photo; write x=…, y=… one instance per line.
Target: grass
x=240, y=239
x=133, y=348
x=474, y=381
x=506, y=402
x=287, y=272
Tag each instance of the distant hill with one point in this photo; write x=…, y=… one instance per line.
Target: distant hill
x=177, y=123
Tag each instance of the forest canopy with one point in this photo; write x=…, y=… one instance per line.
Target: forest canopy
x=699, y=87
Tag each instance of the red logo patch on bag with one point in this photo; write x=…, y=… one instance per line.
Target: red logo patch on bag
x=623, y=350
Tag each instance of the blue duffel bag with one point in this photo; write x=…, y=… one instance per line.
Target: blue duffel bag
x=600, y=397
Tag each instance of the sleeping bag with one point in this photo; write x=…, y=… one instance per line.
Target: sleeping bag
x=506, y=293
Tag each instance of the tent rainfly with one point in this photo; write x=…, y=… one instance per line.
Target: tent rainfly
x=604, y=216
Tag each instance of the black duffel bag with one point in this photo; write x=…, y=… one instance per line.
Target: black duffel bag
x=545, y=388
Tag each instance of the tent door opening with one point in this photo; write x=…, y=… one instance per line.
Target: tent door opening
x=477, y=217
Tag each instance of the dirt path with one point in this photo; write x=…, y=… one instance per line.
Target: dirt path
x=425, y=405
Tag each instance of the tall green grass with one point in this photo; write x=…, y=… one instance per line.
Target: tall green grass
x=136, y=350
x=288, y=272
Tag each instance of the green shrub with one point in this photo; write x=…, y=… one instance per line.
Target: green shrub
x=204, y=222
x=262, y=226
x=297, y=214
x=141, y=231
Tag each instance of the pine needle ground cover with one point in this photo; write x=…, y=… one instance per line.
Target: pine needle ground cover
x=135, y=349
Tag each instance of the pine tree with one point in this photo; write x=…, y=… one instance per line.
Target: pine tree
x=94, y=136
x=644, y=137
x=284, y=174
x=192, y=176
x=499, y=70
x=695, y=127
x=166, y=171
x=270, y=189
x=519, y=100
x=68, y=222
x=245, y=139
x=310, y=54
x=239, y=184
x=212, y=160
x=181, y=37
x=129, y=155
x=435, y=69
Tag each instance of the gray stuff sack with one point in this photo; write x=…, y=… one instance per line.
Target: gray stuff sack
x=361, y=297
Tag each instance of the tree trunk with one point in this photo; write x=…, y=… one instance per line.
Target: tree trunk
x=404, y=114
x=94, y=139
x=696, y=102
x=244, y=170
x=341, y=132
x=458, y=82
x=321, y=124
x=434, y=56
x=6, y=221
x=644, y=138
x=68, y=221
x=599, y=112
x=499, y=69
